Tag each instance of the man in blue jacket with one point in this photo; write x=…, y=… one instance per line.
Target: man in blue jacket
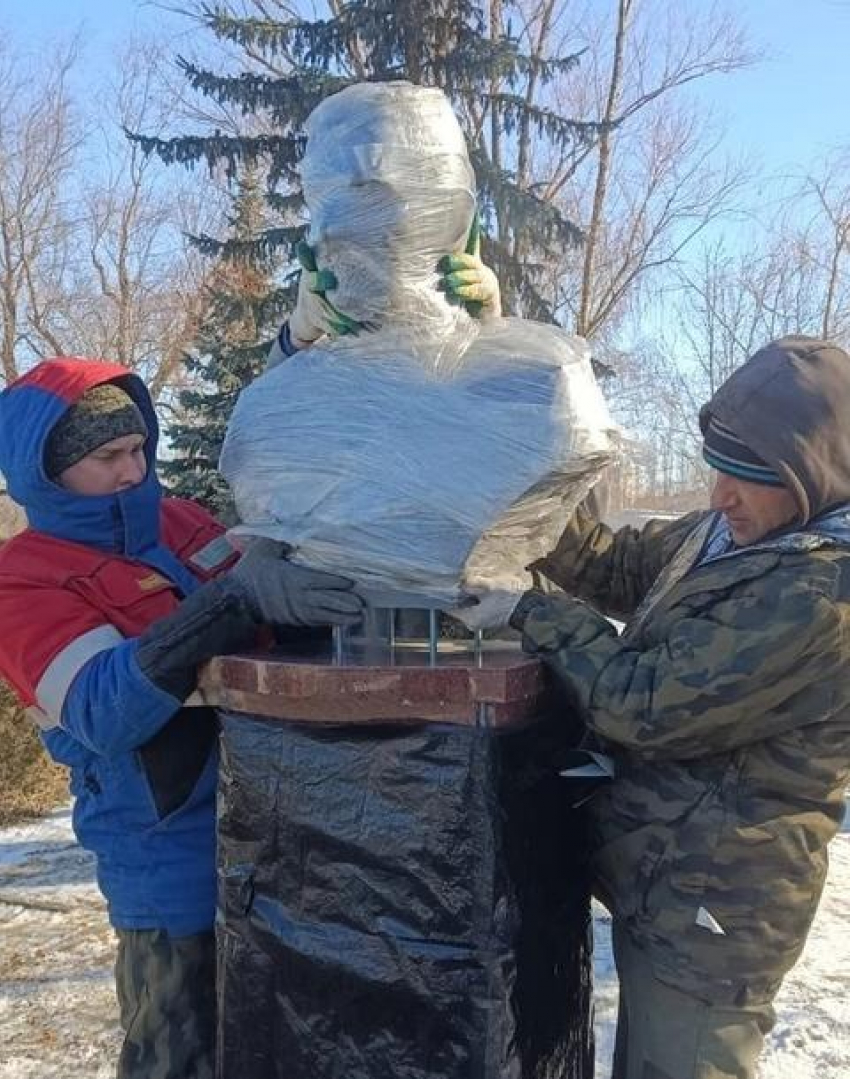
x=109, y=602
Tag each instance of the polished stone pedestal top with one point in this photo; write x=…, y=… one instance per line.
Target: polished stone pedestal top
x=497, y=686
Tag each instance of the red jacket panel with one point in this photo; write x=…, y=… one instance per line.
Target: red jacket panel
x=52, y=591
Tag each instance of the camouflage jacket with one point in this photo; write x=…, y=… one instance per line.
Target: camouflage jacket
x=726, y=704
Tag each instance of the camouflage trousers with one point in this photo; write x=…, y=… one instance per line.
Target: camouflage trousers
x=166, y=993
x=663, y=1033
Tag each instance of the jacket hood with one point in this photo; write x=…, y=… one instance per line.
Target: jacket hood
x=126, y=522
x=790, y=403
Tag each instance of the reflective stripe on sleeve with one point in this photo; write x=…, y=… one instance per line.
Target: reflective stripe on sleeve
x=53, y=687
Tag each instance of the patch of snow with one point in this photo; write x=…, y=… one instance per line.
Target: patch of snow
x=58, y=1014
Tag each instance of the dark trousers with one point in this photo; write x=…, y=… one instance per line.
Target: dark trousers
x=663, y=1033
x=166, y=993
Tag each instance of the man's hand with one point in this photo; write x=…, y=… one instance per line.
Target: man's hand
x=280, y=593
x=223, y=614
x=314, y=315
x=466, y=280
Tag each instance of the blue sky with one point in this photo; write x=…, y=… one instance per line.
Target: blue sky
x=103, y=19
x=793, y=106
x=796, y=103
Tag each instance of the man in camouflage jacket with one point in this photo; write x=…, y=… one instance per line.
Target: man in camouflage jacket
x=725, y=704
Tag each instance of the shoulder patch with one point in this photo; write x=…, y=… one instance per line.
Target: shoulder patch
x=213, y=555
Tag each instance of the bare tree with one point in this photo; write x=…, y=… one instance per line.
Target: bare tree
x=657, y=403
x=789, y=274
x=824, y=243
x=728, y=304
x=39, y=136
x=93, y=254
x=654, y=180
x=137, y=297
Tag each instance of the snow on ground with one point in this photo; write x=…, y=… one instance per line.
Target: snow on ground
x=58, y=1015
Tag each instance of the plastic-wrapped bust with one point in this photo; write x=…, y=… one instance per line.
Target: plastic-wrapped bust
x=435, y=450
x=389, y=186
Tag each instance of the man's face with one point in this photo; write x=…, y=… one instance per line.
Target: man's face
x=115, y=466
x=752, y=510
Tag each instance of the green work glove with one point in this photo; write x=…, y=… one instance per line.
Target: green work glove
x=314, y=315
x=466, y=280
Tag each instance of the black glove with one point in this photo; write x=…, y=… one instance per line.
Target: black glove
x=223, y=615
x=282, y=594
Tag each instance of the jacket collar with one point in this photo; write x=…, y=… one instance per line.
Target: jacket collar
x=126, y=523
x=710, y=543
x=830, y=529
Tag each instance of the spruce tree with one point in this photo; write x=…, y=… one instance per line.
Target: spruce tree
x=242, y=311
x=291, y=64
x=465, y=48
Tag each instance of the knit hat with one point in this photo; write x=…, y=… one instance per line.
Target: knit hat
x=724, y=451
x=102, y=413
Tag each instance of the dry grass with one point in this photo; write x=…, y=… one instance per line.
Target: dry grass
x=30, y=784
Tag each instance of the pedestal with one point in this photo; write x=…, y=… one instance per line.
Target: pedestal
x=403, y=888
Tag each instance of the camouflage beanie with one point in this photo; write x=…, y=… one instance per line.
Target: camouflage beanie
x=102, y=413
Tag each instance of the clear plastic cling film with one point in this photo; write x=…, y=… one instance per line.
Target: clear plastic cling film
x=435, y=451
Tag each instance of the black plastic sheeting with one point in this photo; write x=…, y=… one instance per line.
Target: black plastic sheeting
x=400, y=903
